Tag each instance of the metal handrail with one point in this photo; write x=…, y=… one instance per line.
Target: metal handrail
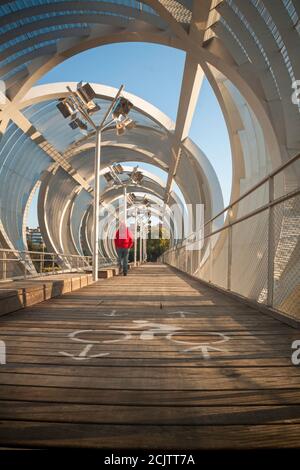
x=271, y=203
x=30, y=258
x=255, y=187
x=177, y=255
x=42, y=252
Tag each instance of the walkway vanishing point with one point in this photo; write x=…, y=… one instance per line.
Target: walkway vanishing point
x=152, y=360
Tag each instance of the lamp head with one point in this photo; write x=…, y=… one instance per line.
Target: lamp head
x=121, y=107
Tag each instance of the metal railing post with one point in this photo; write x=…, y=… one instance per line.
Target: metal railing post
x=210, y=260
x=145, y=246
x=210, y=251
x=229, y=254
x=199, y=256
x=96, y=208
x=42, y=259
x=141, y=243
x=135, y=237
x=4, y=268
x=25, y=271
x=271, y=244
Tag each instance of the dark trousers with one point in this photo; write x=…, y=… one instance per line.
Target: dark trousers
x=123, y=259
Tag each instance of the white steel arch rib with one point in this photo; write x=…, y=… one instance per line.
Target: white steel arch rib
x=178, y=33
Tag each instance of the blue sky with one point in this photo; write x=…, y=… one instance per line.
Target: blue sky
x=154, y=73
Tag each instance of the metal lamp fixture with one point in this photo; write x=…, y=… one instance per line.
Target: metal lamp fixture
x=112, y=176
x=86, y=94
x=136, y=175
x=131, y=198
x=121, y=107
x=138, y=211
x=66, y=107
x=117, y=167
x=78, y=123
x=146, y=201
x=109, y=178
x=124, y=124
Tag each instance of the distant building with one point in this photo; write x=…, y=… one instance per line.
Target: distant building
x=34, y=236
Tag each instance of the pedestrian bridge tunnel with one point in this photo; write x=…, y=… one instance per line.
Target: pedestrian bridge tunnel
x=186, y=308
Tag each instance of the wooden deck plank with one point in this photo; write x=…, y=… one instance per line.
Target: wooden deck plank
x=166, y=383
x=154, y=415
x=56, y=360
x=153, y=389
x=193, y=373
x=43, y=435
x=144, y=397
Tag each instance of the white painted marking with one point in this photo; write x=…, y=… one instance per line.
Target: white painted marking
x=114, y=313
x=126, y=336
x=204, y=347
x=83, y=355
x=183, y=313
x=154, y=328
x=2, y=352
x=150, y=329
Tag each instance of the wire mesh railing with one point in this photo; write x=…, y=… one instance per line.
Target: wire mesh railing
x=256, y=251
x=15, y=264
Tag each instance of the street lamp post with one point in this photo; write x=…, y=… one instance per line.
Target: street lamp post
x=146, y=237
x=135, y=236
x=134, y=178
x=145, y=244
x=113, y=179
x=125, y=205
x=81, y=101
x=141, y=241
x=96, y=205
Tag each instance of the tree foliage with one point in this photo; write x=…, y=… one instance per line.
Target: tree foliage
x=156, y=247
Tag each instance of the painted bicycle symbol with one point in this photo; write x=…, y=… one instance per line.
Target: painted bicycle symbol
x=83, y=355
x=204, y=347
x=149, y=331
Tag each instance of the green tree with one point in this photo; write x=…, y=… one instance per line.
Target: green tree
x=156, y=247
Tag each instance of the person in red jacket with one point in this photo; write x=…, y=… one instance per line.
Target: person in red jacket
x=123, y=243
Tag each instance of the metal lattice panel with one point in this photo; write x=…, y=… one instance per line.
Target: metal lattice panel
x=249, y=271
x=177, y=10
x=21, y=163
x=220, y=259
x=287, y=257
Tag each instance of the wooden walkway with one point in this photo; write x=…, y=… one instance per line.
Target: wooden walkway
x=153, y=360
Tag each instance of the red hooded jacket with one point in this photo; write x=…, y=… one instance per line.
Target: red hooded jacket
x=123, y=238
